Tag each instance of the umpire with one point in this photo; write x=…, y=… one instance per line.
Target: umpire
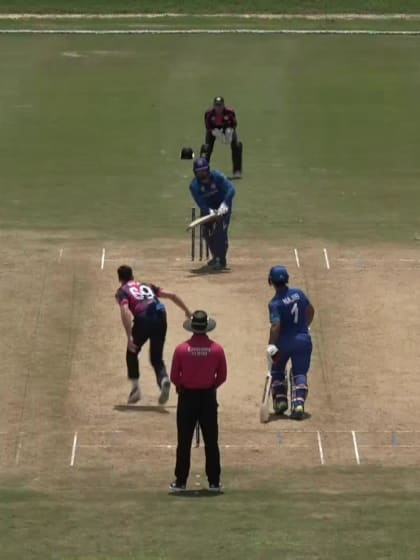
x=198, y=369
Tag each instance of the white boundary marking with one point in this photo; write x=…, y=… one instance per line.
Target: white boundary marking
x=297, y=258
x=321, y=451
x=327, y=260
x=205, y=32
x=265, y=16
x=103, y=259
x=356, y=449
x=73, y=450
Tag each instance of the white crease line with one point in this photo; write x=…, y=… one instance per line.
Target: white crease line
x=356, y=449
x=73, y=450
x=321, y=450
x=297, y=258
x=60, y=255
x=19, y=448
x=327, y=260
x=389, y=446
x=103, y=259
x=173, y=446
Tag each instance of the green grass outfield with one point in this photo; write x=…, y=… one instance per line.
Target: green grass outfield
x=352, y=514
x=92, y=128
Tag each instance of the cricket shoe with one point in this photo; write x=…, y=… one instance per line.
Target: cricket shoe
x=219, y=265
x=134, y=395
x=176, y=487
x=211, y=262
x=280, y=406
x=165, y=388
x=298, y=412
x=216, y=488
x=237, y=175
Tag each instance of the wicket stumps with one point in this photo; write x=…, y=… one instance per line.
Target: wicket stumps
x=202, y=244
x=197, y=435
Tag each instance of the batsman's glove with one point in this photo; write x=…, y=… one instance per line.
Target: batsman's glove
x=272, y=352
x=223, y=209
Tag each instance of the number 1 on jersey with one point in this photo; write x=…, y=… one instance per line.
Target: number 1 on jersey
x=295, y=312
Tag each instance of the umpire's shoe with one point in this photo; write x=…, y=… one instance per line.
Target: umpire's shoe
x=177, y=486
x=165, y=387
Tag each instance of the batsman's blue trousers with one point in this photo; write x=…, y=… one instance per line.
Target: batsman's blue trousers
x=216, y=235
x=297, y=349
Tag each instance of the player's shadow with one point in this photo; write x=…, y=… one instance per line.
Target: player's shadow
x=200, y=493
x=283, y=417
x=143, y=408
x=206, y=271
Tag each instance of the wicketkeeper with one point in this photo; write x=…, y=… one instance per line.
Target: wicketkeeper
x=221, y=123
x=291, y=314
x=213, y=193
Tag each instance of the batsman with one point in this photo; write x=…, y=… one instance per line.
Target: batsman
x=213, y=193
x=291, y=314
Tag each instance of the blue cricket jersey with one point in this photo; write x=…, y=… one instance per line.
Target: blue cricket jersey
x=212, y=195
x=288, y=308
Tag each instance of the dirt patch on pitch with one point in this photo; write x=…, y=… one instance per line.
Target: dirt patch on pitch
x=71, y=376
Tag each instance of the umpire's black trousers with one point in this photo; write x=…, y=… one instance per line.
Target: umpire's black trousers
x=197, y=405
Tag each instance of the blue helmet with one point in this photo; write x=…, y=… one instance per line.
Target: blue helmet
x=278, y=275
x=201, y=164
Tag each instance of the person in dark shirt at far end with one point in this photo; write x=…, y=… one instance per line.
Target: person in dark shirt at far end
x=221, y=123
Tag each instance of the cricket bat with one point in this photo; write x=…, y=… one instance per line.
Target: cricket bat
x=202, y=220
x=265, y=403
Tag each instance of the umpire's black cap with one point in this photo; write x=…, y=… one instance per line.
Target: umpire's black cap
x=187, y=153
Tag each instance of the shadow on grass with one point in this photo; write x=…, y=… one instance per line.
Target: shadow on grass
x=142, y=408
x=202, y=493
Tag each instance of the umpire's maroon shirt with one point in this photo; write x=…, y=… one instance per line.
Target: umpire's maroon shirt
x=227, y=119
x=199, y=363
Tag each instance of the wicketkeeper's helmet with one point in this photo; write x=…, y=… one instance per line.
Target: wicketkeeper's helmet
x=187, y=153
x=201, y=164
x=218, y=100
x=278, y=275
